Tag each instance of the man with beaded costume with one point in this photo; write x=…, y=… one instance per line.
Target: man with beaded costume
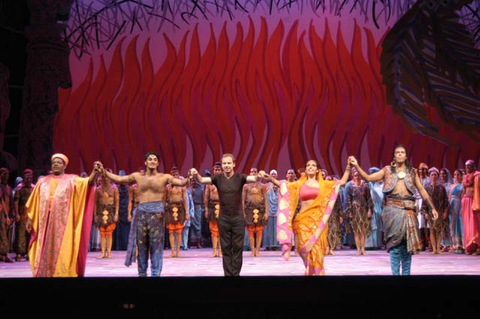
x=176, y=213
x=105, y=213
x=255, y=210
x=212, y=211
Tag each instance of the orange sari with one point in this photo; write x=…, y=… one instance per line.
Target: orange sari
x=311, y=225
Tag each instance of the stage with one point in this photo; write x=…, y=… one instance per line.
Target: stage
x=269, y=287
x=198, y=263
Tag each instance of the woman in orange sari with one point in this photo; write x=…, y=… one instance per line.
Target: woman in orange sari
x=309, y=225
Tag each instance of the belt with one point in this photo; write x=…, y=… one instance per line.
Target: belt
x=399, y=203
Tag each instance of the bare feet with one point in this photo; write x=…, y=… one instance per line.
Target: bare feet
x=214, y=254
x=109, y=254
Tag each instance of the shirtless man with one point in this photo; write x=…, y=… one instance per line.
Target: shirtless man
x=176, y=214
x=105, y=212
x=147, y=232
x=212, y=211
x=255, y=210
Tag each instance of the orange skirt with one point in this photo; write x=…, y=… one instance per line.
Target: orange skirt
x=106, y=231
x=174, y=228
x=214, y=228
x=254, y=228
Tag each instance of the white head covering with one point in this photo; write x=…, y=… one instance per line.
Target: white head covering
x=273, y=172
x=449, y=175
x=63, y=157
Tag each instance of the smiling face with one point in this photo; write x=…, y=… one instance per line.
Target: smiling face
x=228, y=164
x=457, y=176
x=311, y=168
x=152, y=162
x=443, y=175
x=58, y=166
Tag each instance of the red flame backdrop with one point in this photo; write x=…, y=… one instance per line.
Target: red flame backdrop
x=275, y=98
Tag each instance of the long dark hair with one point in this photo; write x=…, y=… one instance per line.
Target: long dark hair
x=408, y=166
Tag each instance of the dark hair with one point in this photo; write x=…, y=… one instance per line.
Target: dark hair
x=152, y=153
x=316, y=163
x=312, y=160
x=408, y=166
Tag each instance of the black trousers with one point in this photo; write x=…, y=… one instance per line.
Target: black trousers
x=232, y=233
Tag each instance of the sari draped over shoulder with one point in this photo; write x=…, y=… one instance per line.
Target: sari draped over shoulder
x=476, y=193
x=61, y=228
x=309, y=226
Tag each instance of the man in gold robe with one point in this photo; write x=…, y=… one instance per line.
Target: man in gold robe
x=60, y=212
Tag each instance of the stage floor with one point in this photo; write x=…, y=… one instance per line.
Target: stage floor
x=193, y=286
x=198, y=263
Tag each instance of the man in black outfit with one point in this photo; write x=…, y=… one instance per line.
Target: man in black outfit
x=231, y=222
